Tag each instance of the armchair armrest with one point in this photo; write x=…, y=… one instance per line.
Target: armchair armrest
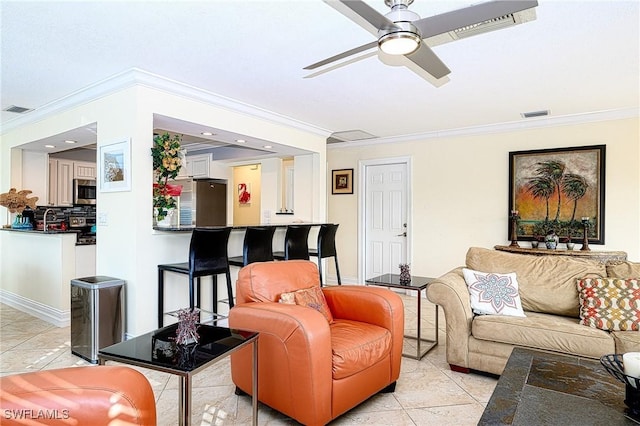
x=294, y=352
x=450, y=292
x=101, y=395
x=372, y=305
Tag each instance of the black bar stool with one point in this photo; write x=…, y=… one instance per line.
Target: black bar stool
x=326, y=247
x=207, y=256
x=257, y=246
x=295, y=243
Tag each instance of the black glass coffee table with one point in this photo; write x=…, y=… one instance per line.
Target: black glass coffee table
x=157, y=351
x=418, y=284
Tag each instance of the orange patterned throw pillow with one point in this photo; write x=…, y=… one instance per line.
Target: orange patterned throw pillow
x=310, y=297
x=611, y=304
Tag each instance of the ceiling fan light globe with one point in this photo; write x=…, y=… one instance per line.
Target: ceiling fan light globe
x=399, y=43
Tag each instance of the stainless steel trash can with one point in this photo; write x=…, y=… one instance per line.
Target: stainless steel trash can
x=97, y=315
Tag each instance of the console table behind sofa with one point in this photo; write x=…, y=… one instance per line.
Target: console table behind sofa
x=602, y=256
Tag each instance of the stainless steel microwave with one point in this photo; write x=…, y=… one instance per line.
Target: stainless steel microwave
x=84, y=191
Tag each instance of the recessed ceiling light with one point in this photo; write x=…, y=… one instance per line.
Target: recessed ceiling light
x=69, y=141
x=207, y=134
x=267, y=147
x=49, y=146
x=240, y=140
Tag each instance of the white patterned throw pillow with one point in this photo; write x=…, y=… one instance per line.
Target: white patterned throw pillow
x=493, y=294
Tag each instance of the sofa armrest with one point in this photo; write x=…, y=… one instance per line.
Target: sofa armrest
x=450, y=292
x=100, y=395
x=294, y=353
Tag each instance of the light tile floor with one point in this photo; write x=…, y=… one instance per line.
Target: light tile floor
x=427, y=392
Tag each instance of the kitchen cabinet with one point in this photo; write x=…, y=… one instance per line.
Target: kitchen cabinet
x=197, y=167
x=200, y=165
x=62, y=172
x=60, y=182
x=84, y=170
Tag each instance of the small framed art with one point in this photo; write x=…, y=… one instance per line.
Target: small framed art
x=114, y=167
x=342, y=181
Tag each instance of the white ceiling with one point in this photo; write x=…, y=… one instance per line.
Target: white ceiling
x=577, y=57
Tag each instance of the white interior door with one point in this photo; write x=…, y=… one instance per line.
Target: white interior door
x=386, y=218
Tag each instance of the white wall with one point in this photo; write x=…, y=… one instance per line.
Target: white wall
x=35, y=175
x=460, y=190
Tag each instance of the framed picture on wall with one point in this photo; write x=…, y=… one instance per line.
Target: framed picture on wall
x=342, y=181
x=559, y=190
x=114, y=167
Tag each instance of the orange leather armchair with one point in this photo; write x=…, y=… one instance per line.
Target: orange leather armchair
x=309, y=369
x=101, y=395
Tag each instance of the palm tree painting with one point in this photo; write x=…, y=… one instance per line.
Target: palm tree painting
x=574, y=187
x=556, y=189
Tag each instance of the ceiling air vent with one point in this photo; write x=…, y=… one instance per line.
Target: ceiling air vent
x=533, y=114
x=485, y=26
x=17, y=109
x=349, y=135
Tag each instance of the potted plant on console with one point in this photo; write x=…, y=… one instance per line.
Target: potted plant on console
x=167, y=161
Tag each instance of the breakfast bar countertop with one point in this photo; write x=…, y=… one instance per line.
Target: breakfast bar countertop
x=189, y=228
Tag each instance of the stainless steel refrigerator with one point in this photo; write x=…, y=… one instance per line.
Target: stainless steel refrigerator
x=203, y=202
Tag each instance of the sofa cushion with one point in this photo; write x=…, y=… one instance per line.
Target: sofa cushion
x=310, y=297
x=543, y=331
x=626, y=341
x=493, y=294
x=547, y=284
x=610, y=303
x=357, y=345
x=623, y=269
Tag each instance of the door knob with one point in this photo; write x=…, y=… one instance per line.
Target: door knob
x=404, y=234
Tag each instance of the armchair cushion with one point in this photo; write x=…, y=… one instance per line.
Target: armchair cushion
x=356, y=345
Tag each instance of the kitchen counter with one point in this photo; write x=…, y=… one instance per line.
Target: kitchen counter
x=36, y=269
x=50, y=232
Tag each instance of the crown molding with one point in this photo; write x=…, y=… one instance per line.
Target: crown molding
x=524, y=124
x=135, y=76
x=138, y=77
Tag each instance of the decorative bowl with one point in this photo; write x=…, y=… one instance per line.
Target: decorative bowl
x=614, y=365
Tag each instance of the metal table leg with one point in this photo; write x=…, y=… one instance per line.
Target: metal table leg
x=254, y=383
x=420, y=350
x=184, y=401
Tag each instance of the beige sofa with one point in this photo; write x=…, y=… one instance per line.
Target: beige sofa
x=548, y=290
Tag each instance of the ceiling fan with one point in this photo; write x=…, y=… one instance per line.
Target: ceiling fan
x=402, y=34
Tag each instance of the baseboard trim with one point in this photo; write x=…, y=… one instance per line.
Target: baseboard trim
x=46, y=313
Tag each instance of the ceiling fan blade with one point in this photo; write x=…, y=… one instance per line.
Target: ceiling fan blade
x=362, y=14
x=428, y=61
x=401, y=60
x=351, y=60
x=449, y=21
x=342, y=55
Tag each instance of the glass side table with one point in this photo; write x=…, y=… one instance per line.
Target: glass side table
x=158, y=351
x=418, y=284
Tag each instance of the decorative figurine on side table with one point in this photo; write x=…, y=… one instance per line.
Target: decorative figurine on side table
x=405, y=274
x=188, y=326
